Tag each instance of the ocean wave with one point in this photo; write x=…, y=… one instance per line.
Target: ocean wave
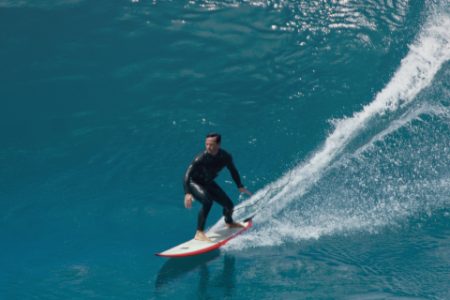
x=322, y=195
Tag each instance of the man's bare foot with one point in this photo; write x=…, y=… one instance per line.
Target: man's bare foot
x=201, y=236
x=235, y=225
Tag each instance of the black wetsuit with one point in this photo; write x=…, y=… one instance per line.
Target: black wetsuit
x=199, y=181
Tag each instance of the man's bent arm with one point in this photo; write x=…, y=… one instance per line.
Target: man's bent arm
x=187, y=177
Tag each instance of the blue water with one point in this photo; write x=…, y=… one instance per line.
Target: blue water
x=337, y=114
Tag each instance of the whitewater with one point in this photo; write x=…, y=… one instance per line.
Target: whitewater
x=278, y=223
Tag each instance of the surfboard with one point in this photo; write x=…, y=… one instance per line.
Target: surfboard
x=219, y=237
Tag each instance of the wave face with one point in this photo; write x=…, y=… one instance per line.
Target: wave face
x=384, y=164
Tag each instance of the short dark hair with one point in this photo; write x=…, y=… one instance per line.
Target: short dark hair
x=215, y=135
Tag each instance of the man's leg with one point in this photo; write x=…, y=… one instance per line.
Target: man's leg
x=204, y=197
x=222, y=198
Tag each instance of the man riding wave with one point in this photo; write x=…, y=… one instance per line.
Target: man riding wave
x=199, y=183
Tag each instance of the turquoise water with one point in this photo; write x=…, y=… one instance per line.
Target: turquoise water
x=337, y=114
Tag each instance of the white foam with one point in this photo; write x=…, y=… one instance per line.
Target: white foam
x=417, y=70
x=404, y=120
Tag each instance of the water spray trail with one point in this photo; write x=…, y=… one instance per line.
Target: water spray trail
x=417, y=70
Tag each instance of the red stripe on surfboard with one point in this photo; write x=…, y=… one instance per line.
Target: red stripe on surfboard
x=212, y=247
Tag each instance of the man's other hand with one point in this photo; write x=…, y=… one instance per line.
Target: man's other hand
x=245, y=191
x=188, y=200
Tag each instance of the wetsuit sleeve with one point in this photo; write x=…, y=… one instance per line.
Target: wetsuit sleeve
x=186, y=179
x=187, y=175
x=234, y=173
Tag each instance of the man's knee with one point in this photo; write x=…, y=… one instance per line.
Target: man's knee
x=201, y=194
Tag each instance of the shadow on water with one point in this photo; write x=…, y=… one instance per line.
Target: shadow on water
x=175, y=269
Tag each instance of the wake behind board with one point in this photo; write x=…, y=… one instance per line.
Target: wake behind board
x=219, y=237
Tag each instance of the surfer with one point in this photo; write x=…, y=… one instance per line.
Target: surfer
x=199, y=183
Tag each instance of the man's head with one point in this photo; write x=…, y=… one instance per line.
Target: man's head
x=212, y=143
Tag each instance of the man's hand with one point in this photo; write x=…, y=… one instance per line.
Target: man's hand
x=244, y=190
x=188, y=200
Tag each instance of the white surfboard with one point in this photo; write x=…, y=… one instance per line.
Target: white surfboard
x=219, y=237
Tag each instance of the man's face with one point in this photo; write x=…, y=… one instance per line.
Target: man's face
x=212, y=147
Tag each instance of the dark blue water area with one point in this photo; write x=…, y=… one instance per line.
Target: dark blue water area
x=105, y=103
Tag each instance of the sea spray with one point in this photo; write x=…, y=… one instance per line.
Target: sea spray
x=416, y=71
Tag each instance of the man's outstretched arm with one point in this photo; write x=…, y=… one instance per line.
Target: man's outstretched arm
x=236, y=178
